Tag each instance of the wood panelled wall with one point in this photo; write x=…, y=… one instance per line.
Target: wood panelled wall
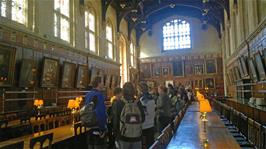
x=255, y=43
x=185, y=69
x=32, y=47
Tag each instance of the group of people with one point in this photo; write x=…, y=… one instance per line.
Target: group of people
x=136, y=116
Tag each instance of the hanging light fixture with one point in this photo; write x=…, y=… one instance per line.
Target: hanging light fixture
x=172, y=5
x=123, y=4
x=134, y=15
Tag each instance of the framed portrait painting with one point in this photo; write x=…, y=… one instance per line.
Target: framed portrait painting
x=260, y=66
x=50, y=72
x=28, y=73
x=7, y=65
x=244, y=65
x=145, y=70
x=93, y=73
x=211, y=66
x=210, y=83
x=165, y=71
x=82, y=76
x=240, y=68
x=252, y=68
x=156, y=71
x=198, y=69
x=68, y=75
x=178, y=68
x=188, y=68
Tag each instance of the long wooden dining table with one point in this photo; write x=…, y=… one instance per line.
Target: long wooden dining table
x=191, y=135
x=60, y=134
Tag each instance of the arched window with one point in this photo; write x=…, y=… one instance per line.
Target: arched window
x=15, y=10
x=132, y=48
x=90, y=31
x=62, y=19
x=176, y=35
x=109, y=38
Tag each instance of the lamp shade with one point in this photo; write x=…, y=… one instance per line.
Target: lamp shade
x=79, y=99
x=205, y=106
x=72, y=104
x=38, y=102
x=200, y=96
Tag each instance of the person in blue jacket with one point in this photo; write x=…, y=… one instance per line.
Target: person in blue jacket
x=96, y=136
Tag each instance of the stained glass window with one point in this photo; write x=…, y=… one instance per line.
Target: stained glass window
x=176, y=35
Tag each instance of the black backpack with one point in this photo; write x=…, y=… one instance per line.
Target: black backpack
x=88, y=115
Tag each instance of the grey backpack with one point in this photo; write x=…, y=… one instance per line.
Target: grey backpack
x=130, y=120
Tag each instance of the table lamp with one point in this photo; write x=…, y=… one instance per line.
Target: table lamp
x=38, y=103
x=73, y=105
x=205, y=107
x=79, y=99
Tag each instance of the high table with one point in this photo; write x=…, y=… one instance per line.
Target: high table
x=190, y=133
x=59, y=134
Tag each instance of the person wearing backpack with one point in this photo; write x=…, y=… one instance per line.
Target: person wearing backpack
x=148, y=104
x=128, y=116
x=163, y=108
x=96, y=135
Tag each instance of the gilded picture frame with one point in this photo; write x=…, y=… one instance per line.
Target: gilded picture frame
x=82, y=77
x=28, y=73
x=68, y=75
x=211, y=66
x=210, y=83
x=253, y=70
x=260, y=66
x=50, y=73
x=7, y=65
x=165, y=71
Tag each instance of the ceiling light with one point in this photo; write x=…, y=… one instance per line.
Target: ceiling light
x=134, y=18
x=134, y=10
x=122, y=5
x=172, y=5
x=143, y=21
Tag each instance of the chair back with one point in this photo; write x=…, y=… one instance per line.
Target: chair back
x=79, y=128
x=243, y=124
x=251, y=136
x=257, y=133
x=156, y=145
x=18, y=145
x=41, y=140
x=263, y=137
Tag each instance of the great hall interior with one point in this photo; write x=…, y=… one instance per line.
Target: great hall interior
x=175, y=74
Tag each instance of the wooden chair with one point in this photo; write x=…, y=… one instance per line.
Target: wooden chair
x=18, y=145
x=3, y=123
x=263, y=137
x=50, y=123
x=156, y=145
x=39, y=125
x=79, y=128
x=251, y=136
x=257, y=134
x=41, y=140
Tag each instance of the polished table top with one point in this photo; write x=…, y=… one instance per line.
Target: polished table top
x=60, y=134
x=190, y=133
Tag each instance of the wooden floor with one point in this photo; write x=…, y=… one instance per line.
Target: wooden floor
x=190, y=133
